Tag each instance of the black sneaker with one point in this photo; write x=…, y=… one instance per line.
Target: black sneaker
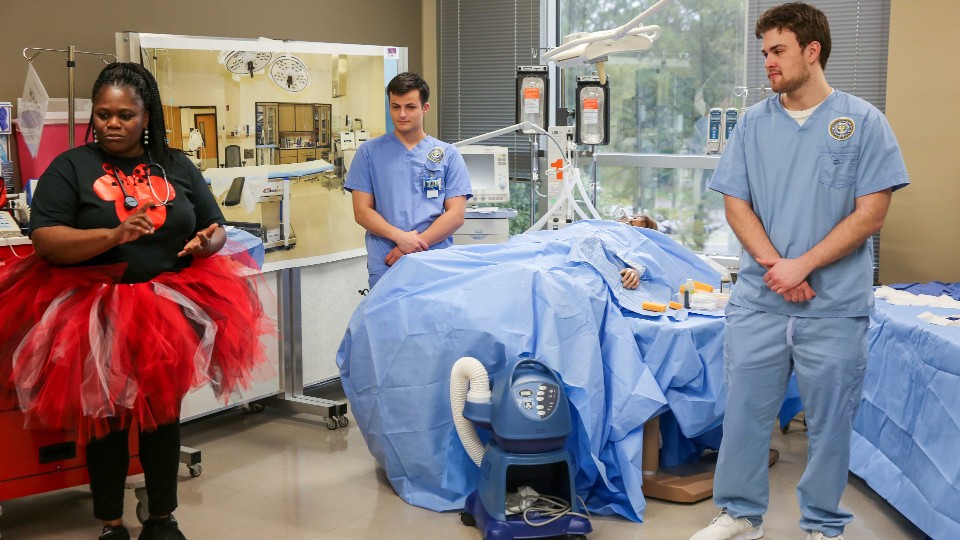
x=161, y=529
x=115, y=533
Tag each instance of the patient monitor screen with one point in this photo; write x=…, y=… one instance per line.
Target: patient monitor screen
x=489, y=172
x=480, y=169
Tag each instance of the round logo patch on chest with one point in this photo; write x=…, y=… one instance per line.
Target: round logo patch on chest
x=436, y=155
x=842, y=128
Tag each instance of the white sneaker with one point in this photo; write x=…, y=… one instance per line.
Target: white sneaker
x=817, y=535
x=725, y=527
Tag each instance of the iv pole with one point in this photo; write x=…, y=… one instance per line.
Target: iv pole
x=71, y=66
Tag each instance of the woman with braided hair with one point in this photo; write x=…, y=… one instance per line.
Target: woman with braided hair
x=124, y=308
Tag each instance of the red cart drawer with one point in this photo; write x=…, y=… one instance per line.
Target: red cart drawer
x=37, y=461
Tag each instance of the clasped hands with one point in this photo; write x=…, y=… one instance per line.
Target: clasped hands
x=407, y=242
x=788, y=278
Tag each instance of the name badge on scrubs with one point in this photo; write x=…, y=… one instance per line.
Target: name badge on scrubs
x=432, y=187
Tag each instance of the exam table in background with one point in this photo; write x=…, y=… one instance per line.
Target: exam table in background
x=265, y=191
x=906, y=435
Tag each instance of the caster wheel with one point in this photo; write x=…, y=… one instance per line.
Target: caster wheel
x=142, y=513
x=195, y=470
x=343, y=421
x=331, y=423
x=253, y=408
x=467, y=519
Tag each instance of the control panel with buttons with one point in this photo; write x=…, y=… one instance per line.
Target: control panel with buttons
x=537, y=399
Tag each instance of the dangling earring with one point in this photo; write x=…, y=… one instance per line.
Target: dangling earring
x=95, y=136
x=146, y=136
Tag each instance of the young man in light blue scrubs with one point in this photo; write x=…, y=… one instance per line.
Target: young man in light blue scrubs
x=807, y=178
x=409, y=189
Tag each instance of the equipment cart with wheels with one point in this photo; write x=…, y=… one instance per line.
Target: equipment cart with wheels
x=38, y=461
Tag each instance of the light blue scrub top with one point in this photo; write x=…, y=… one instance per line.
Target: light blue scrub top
x=802, y=181
x=395, y=177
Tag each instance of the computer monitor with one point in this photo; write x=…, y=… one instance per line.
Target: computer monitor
x=489, y=171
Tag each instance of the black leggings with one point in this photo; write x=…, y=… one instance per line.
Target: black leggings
x=108, y=460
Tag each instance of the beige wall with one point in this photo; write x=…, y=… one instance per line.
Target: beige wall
x=919, y=240
x=429, y=70
x=90, y=26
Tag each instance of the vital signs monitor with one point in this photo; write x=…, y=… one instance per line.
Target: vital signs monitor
x=489, y=171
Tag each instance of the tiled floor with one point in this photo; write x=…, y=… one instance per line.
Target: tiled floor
x=275, y=476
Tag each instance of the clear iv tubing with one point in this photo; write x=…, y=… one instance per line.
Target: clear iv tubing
x=567, y=194
x=583, y=193
x=579, y=183
x=567, y=190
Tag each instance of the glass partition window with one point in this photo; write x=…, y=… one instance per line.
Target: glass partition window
x=659, y=101
x=264, y=121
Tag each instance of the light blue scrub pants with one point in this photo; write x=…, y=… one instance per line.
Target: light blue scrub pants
x=829, y=356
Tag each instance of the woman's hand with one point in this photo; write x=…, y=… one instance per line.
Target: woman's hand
x=630, y=278
x=135, y=226
x=199, y=244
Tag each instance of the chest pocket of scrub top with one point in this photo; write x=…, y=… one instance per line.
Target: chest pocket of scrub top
x=837, y=167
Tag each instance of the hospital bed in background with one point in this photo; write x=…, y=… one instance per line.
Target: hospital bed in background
x=907, y=429
x=556, y=297
x=265, y=191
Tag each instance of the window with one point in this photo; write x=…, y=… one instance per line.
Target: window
x=480, y=43
x=859, y=31
x=706, y=51
x=659, y=100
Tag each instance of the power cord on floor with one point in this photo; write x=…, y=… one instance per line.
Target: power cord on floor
x=544, y=509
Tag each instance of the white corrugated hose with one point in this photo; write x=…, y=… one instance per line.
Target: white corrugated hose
x=468, y=373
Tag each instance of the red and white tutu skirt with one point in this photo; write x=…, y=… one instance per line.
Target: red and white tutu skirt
x=81, y=352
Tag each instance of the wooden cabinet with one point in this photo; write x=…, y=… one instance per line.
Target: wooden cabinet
x=289, y=155
x=304, y=117
x=296, y=117
x=302, y=130
x=287, y=117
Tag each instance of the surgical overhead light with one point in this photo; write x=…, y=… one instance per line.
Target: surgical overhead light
x=244, y=62
x=593, y=47
x=290, y=73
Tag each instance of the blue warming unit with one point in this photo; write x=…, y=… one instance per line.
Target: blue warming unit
x=529, y=418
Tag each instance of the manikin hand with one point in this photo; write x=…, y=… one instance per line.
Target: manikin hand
x=630, y=278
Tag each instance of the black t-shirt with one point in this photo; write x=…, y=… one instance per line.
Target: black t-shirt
x=80, y=189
